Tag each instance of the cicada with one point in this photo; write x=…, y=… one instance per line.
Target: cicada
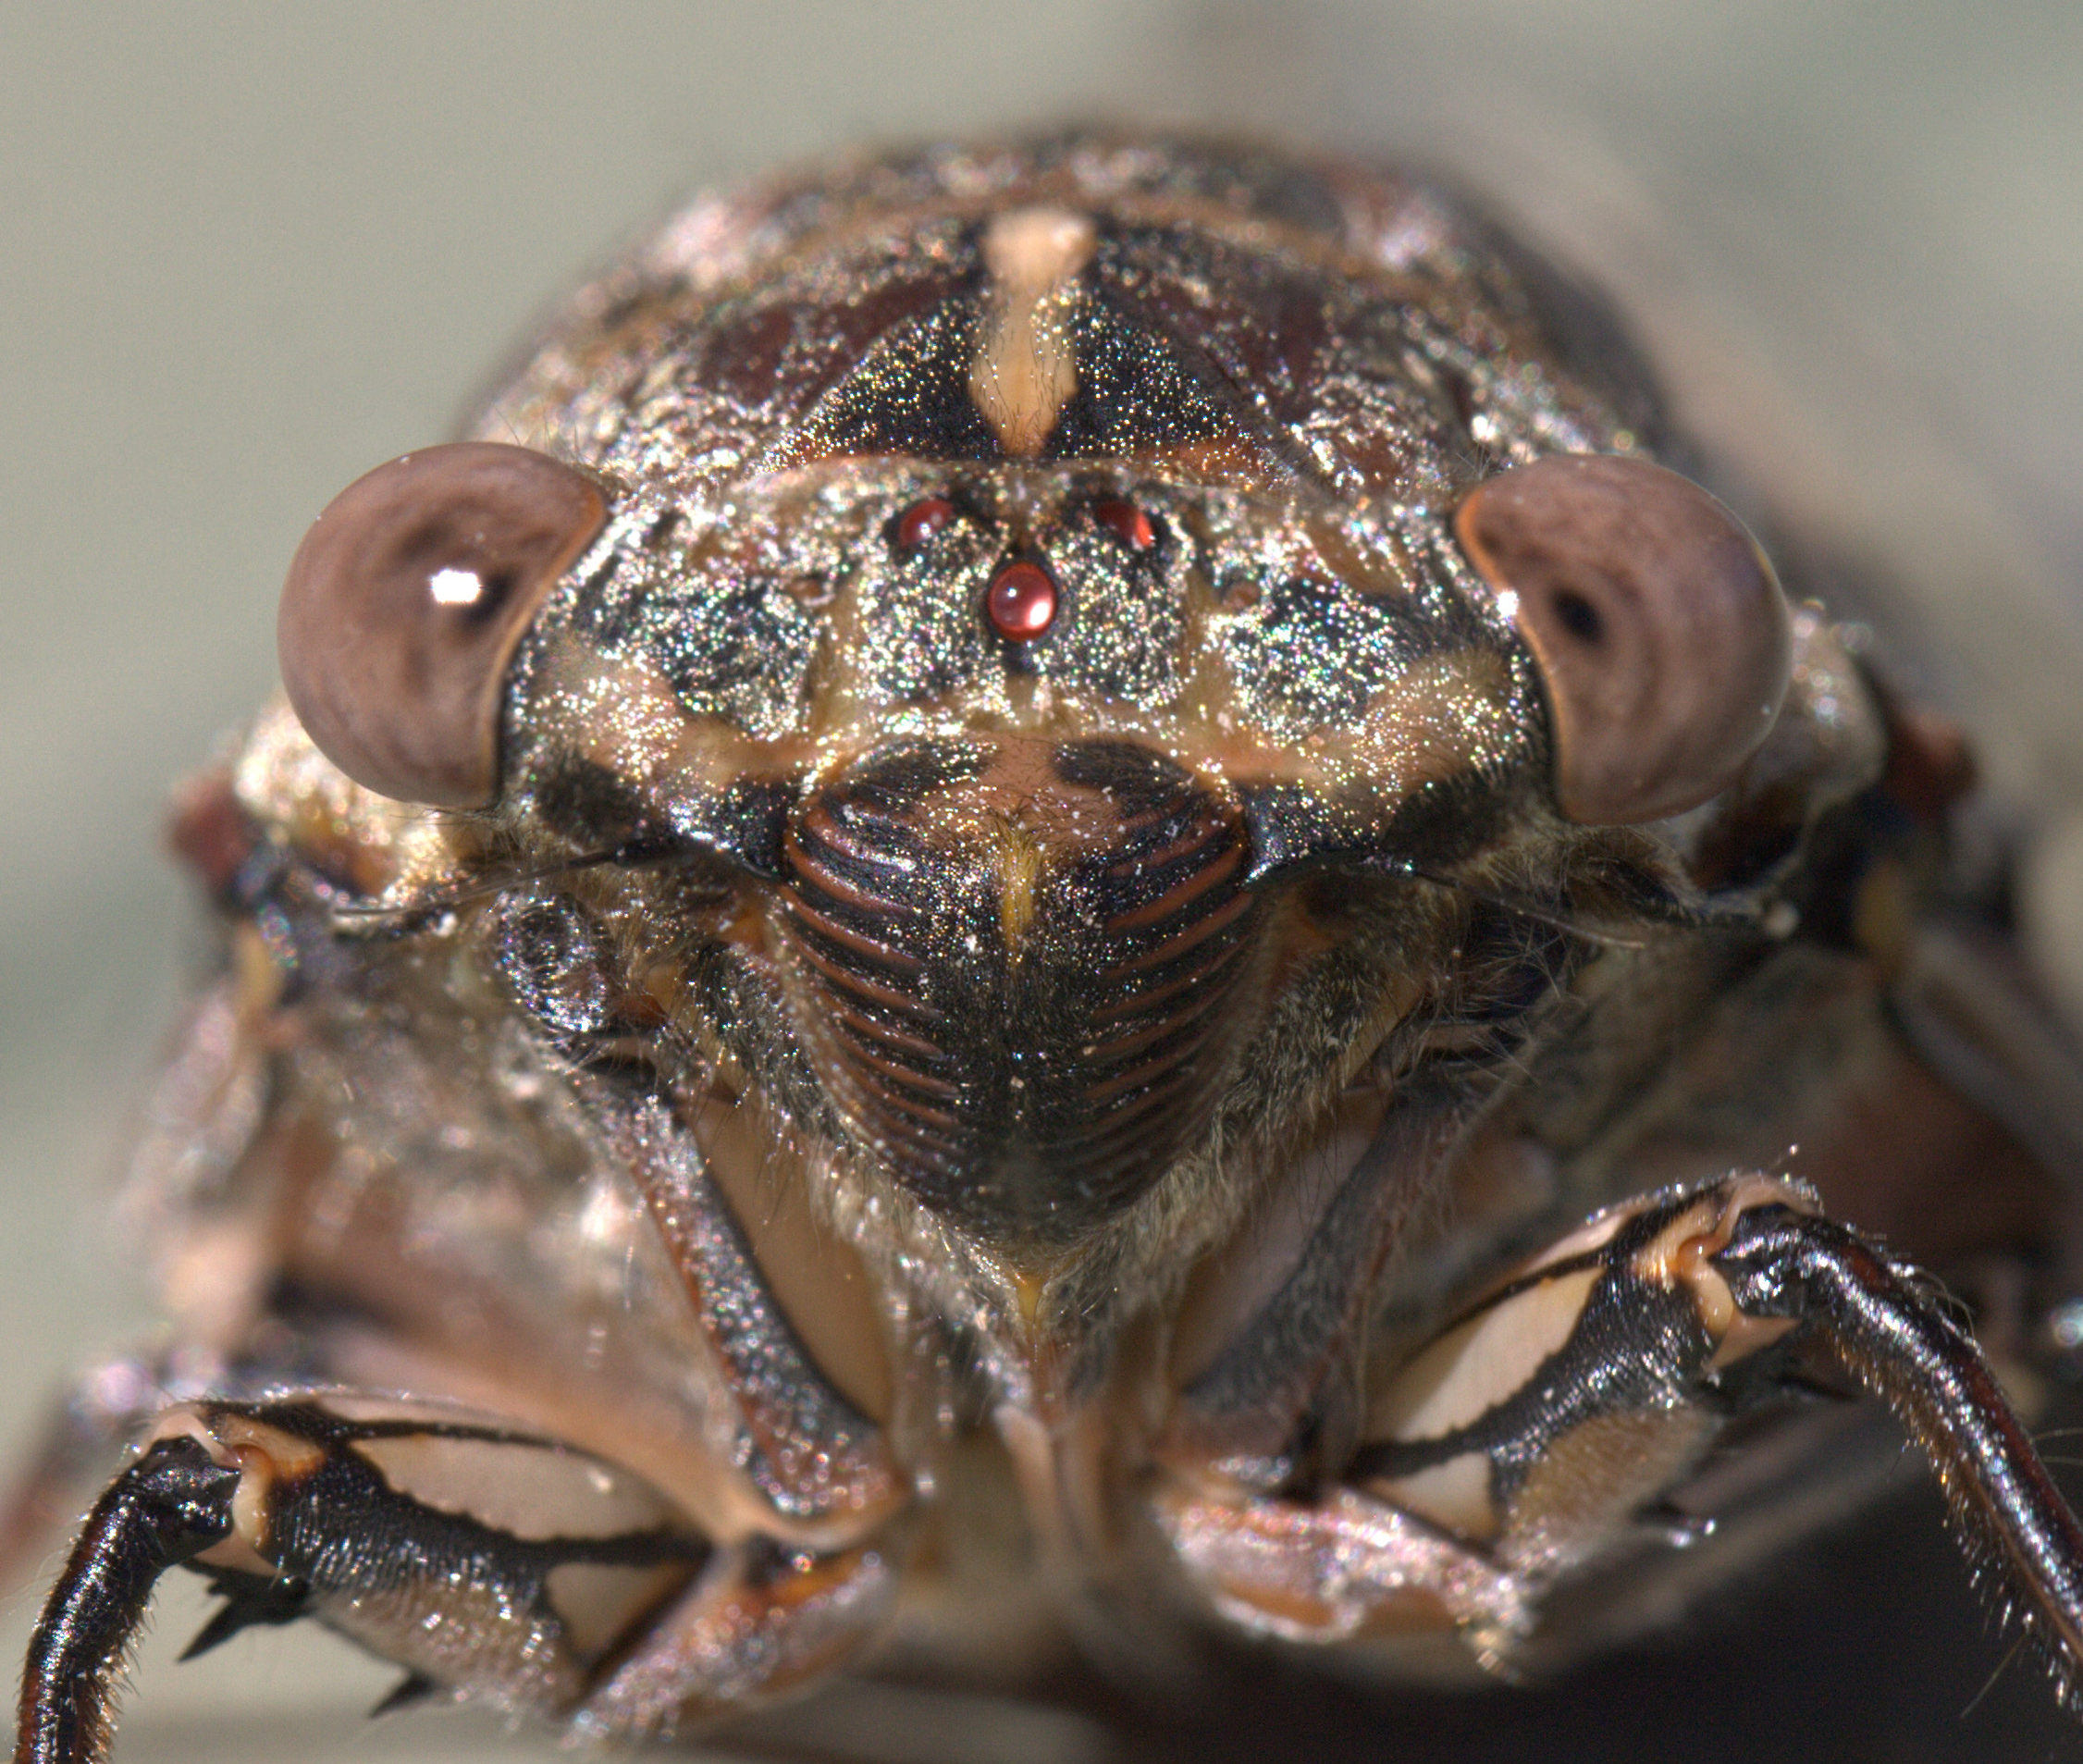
x=1091, y=862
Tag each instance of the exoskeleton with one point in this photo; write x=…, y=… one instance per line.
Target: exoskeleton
x=1087, y=860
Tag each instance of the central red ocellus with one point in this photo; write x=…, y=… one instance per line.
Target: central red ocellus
x=1022, y=602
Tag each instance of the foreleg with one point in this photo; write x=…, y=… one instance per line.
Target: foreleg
x=1882, y=1324
x=1526, y=1440
x=169, y=1507
x=489, y=1562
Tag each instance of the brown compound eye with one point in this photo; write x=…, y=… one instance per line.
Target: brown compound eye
x=1657, y=624
x=404, y=604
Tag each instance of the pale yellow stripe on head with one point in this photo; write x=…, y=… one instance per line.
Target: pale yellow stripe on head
x=1019, y=857
x=1024, y=369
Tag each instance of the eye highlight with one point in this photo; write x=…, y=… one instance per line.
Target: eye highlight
x=918, y=525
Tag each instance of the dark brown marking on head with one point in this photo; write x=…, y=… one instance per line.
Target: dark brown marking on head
x=1293, y=829
x=738, y=824
x=901, y=390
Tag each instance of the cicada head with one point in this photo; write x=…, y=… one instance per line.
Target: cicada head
x=1068, y=629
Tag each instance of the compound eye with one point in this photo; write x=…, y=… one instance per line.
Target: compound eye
x=406, y=600
x=1656, y=621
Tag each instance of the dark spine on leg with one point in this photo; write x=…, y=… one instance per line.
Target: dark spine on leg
x=167, y=1508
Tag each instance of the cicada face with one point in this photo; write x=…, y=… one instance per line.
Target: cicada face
x=1009, y=606
x=1092, y=804
x=989, y=748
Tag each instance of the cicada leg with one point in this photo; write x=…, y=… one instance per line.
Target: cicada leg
x=487, y=1561
x=1525, y=1441
x=81, y=1438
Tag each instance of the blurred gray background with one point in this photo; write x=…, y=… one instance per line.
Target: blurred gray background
x=249, y=251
